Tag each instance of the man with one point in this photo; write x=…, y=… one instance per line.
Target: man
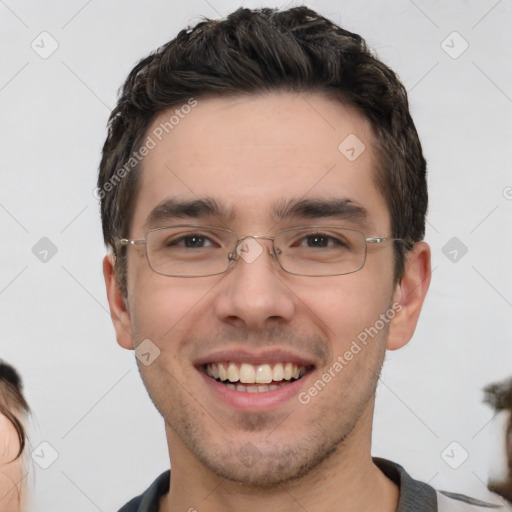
x=263, y=190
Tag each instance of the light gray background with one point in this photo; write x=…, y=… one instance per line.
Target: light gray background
x=88, y=401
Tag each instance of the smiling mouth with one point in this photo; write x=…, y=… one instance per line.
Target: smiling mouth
x=251, y=378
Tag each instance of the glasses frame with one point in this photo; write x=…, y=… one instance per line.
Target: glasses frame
x=234, y=256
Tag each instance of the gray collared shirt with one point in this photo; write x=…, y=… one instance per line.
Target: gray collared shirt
x=415, y=496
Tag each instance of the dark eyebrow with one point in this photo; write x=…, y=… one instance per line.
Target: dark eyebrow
x=170, y=209
x=341, y=209
x=336, y=208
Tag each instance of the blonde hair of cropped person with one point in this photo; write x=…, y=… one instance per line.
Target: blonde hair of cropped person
x=13, y=413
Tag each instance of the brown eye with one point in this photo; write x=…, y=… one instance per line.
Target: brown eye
x=322, y=240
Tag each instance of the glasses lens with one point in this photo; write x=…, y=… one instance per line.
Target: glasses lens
x=189, y=251
x=321, y=251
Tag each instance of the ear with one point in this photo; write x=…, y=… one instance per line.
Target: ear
x=118, y=310
x=410, y=293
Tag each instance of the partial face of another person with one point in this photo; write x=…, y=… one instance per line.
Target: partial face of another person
x=11, y=467
x=253, y=155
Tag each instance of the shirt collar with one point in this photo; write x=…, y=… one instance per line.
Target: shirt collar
x=415, y=496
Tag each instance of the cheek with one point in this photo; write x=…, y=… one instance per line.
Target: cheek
x=347, y=305
x=162, y=312
x=162, y=307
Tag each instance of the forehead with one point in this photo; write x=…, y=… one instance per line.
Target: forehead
x=251, y=155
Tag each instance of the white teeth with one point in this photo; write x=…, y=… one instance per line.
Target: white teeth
x=223, y=375
x=233, y=375
x=264, y=374
x=253, y=389
x=236, y=375
x=288, y=371
x=278, y=373
x=247, y=373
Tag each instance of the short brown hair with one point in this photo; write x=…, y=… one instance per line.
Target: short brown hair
x=257, y=51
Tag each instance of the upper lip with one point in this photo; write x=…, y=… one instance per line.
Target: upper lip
x=247, y=356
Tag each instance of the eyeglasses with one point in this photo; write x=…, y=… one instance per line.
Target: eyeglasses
x=190, y=250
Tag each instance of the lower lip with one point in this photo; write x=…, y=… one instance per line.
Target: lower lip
x=252, y=402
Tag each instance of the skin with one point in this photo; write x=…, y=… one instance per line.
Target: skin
x=11, y=469
x=241, y=152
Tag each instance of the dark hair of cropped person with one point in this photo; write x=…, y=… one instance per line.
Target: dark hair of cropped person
x=256, y=52
x=12, y=401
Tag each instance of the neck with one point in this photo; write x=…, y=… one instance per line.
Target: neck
x=340, y=482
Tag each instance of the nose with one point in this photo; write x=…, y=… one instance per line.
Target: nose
x=253, y=292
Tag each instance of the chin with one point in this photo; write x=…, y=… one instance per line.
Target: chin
x=265, y=465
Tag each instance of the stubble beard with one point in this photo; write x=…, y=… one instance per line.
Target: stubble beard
x=247, y=449
x=258, y=461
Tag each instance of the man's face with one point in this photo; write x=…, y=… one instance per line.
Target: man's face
x=249, y=154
